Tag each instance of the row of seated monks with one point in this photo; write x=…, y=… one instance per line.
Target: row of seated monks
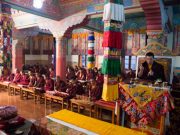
x=91, y=85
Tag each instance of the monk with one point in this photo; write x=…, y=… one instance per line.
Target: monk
x=40, y=81
x=52, y=74
x=24, y=78
x=70, y=92
x=60, y=85
x=95, y=91
x=151, y=70
x=49, y=84
x=95, y=70
x=90, y=74
x=17, y=77
x=70, y=75
x=32, y=79
x=10, y=78
x=81, y=75
x=100, y=78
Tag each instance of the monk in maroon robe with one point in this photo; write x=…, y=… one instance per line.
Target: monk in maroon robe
x=70, y=75
x=51, y=72
x=40, y=82
x=24, y=79
x=90, y=74
x=95, y=90
x=10, y=78
x=100, y=78
x=60, y=85
x=32, y=79
x=17, y=77
x=81, y=75
x=49, y=84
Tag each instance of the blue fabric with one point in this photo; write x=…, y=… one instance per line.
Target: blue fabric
x=91, y=38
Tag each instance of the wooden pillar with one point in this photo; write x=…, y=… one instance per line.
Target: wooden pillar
x=61, y=45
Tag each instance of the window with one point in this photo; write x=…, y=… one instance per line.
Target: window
x=130, y=62
x=126, y=62
x=133, y=62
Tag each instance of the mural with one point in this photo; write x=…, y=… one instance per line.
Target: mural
x=80, y=43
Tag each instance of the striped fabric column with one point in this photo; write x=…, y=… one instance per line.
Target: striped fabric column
x=91, y=58
x=113, y=18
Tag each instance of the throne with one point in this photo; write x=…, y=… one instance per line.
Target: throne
x=163, y=56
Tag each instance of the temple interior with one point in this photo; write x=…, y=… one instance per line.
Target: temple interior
x=88, y=67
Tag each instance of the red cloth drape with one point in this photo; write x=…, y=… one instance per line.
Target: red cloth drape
x=90, y=51
x=112, y=39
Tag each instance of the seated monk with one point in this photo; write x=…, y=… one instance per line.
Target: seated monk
x=70, y=75
x=95, y=91
x=39, y=85
x=70, y=92
x=60, y=85
x=49, y=84
x=51, y=72
x=151, y=70
x=17, y=77
x=32, y=79
x=100, y=78
x=24, y=79
x=90, y=74
x=81, y=75
x=10, y=78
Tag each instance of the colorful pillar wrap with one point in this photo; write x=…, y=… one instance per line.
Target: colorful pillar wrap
x=6, y=24
x=113, y=18
x=91, y=58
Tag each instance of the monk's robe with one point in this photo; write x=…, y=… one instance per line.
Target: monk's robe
x=40, y=82
x=81, y=76
x=60, y=86
x=95, y=92
x=70, y=76
x=24, y=79
x=32, y=81
x=100, y=79
x=17, y=78
x=10, y=78
x=52, y=74
x=49, y=85
x=156, y=68
x=89, y=76
x=70, y=92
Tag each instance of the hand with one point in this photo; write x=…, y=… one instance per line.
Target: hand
x=151, y=73
x=141, y=68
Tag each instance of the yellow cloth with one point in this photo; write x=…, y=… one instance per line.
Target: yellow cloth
x=150, y=66
x=93, y=125
x=90, y=65
x=110, y=92
x=146, y=92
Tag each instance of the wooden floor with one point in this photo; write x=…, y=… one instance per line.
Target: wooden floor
x=27, y=108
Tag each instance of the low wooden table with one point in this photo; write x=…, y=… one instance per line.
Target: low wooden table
x=13, y=88
x=82, y=103
x=100, y=104
x=26, y=91
x=56, y=99
x=5, y=84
